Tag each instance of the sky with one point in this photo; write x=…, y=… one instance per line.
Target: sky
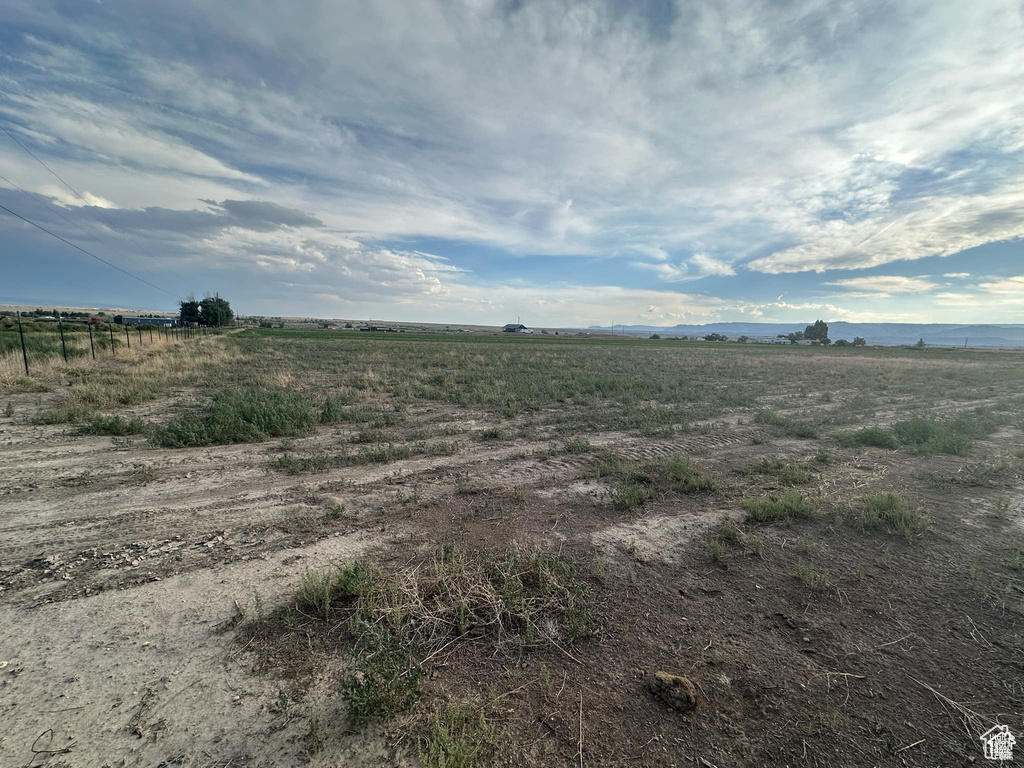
x=478, y=161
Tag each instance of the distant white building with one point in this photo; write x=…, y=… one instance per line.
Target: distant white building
x=516, y=328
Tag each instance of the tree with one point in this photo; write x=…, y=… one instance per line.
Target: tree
x=743, y=339
x=716, y=337
x=817, y=332
x=842, y=343
x=215, y=311
x=189, y=312
x=655, y=335
x=920, y=344
x=859, y=342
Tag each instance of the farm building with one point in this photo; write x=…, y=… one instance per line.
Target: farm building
x=516, y=328
x=164, y=322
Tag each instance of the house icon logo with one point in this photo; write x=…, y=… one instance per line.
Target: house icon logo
x=997, y=743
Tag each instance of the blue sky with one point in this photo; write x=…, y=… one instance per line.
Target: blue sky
x=572, y=163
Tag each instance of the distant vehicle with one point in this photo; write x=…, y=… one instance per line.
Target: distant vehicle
x=516, y=328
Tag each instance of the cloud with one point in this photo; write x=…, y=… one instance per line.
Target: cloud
x=708, y=265
x=880, y=286
x=777, y=138
x=1012, y=286
x=957, y=274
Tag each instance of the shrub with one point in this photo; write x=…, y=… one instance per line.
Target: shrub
x=681, y=475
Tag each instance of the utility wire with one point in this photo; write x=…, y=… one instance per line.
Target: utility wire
x=96, y=208
x=57, y=211
x=87, y=253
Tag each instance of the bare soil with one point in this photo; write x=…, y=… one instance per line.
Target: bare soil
x=126, y=572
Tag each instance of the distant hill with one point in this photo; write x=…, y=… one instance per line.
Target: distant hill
x=888, y=334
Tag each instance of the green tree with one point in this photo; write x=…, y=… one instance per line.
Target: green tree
x=215, y=311
x=920, y=344
x=817, y=332
x=842, y=343
x=859, y=342
x=189, y=312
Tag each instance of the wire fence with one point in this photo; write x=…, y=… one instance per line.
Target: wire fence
x=32, y=345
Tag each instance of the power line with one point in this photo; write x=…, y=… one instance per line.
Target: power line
x=87, y=253
x=75, y=224
x=95, y=208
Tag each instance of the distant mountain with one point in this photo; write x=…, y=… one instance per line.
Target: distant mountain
x=888, y=334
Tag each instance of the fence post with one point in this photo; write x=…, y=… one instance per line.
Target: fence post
x=24, y=354
x=92, y=347
x=128, y=337
x=140, y=337
x=110, y=327
x=63, y=346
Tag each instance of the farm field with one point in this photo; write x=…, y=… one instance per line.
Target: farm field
x=267, y=548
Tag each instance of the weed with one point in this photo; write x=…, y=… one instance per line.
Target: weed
x=783, y=507
x=783, y=473
x=9, y=409
x=823, y=457
x=1001, y=507
x=878, y=437
x=754, y=544
x=240, y=416
x=577, y=445
x=681, y=475
x=457, y=736
x=112, y=425
x=631, y=494
x=1017, y=560
x=890, y=510
x=811, y=576
x=63, y=414
x=321, y=591
x=730, y=532
x=313, y=741
x=715, y=549
x=492, y=433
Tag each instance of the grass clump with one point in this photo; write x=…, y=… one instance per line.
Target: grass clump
x=680, y=475
x=927, y=435
x=515, y=600
x=781, y=472
x=492, y=433
x=578, y=445
x=890, y=510
x=779, y=507
x=639, y=482
x=240, y=416
x=457, y=736
x=811, y=576
x=68, y=413
x=117, y=426
x=320, y=591
x=879, y=437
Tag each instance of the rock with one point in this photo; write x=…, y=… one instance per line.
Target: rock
x=678, y=692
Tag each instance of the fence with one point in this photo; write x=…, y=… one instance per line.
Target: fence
x=37, y=343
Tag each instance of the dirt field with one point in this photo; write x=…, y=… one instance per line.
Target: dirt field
x=868, y=614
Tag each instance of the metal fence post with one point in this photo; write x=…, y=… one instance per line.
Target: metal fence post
x=63, y=346
x=24, y=354
x=110, y=327
x=128, y=337
x=92, y=346
x=140, y=337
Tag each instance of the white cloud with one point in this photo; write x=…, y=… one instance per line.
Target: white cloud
x=777, y=137
x=957, y=274
x=1013, y=286
x=885, y=285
